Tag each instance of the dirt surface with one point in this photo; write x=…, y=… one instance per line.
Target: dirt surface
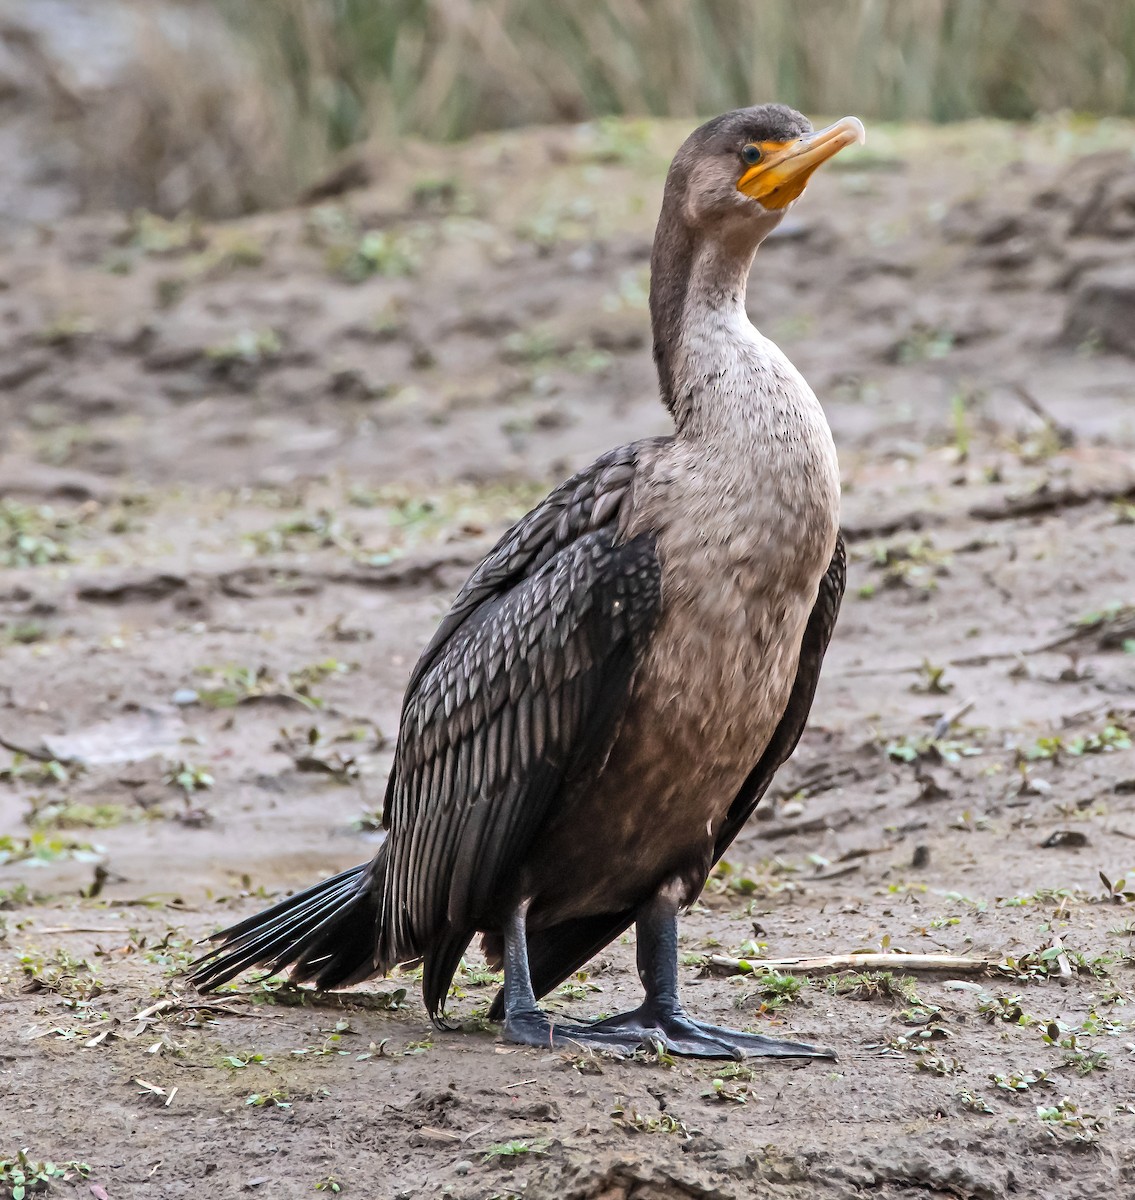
x=244, y=468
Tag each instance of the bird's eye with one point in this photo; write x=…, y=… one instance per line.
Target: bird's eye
x=751, y=154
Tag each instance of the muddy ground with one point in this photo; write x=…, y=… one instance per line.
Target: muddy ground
x=244, y=468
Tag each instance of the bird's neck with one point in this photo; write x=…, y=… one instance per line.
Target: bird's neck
x=697, y=305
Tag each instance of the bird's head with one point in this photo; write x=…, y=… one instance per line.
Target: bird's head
x=741, y=171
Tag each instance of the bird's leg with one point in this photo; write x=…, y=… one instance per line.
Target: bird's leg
x=661, y=1019
x=523, y=1020
x=527, y=1024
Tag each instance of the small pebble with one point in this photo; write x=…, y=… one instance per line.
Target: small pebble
x=184, y=696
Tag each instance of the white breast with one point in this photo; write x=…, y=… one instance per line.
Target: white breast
x=744, y=504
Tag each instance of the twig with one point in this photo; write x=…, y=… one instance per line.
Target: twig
x=835, y=820
x=76, y=929
x=1064, y=435
x=835, y=873
x=947, y=719
x=1045, y=500
x=170, y=1005
x=26, y=751
x=844, y=962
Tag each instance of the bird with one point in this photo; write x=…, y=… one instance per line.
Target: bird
x=616, y=684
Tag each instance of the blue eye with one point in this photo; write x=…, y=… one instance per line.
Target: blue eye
x=751, y=154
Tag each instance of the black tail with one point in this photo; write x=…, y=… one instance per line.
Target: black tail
x=327, y=934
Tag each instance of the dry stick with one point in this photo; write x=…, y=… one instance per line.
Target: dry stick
x=835, y=873
x=1065, y=434
x=944, y=723
x=27, y=751
x=1062, y=960
x=76, y=929
x=843, y=962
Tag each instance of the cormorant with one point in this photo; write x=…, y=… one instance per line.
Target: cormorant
x=615, y=685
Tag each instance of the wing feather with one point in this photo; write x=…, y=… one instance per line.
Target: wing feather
x=523, y=684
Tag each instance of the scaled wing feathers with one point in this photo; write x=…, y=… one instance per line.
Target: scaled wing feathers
x=519, y=694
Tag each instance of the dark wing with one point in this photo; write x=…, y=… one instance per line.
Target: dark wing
x=591, y=500
x=520, y=692
x=556, y=953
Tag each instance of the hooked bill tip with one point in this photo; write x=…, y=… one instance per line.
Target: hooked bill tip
x=856, y=125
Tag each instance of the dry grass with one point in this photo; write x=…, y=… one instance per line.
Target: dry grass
x=446, y=68
x=232, y=106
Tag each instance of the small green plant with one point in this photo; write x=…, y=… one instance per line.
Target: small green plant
x=250, y=347
x=44, y=847
x=77, y=816
x=938, y=1064
x=730, y=1085
x=963, y=434
x=915, y=563
x=1117, y=891
x=630, y=1118
x=931, y=681
x=1054, y=746
x=877, y=985
x=23, y=769
x=33, y=536
x=22, y=1174
x=473, y=975
x=1004, y=1008
x=305, y=531
x=154, y=235
x=972, y=1102
x=1068, y=1118
x=355, y=254
x=924, y=343
x=241, y=685
x=189, y=778
x=1085, y=1061
x=1021, y=1081
x=912, y=748
x=577, y=987
x=764, y=879
x=516, y=1148
x=22, y=633
x=62, y=973
x=19, y=895
x=274, y=1098
x=774, y=989
x=234, y=1062
x=173, y=952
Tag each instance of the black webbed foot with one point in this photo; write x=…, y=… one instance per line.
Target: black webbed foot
x=679, y=1034
x=535, y=1028
x=672, y=1032
x=658, y=1022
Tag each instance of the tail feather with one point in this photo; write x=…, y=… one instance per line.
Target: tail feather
x=327, y=934
x=282, y=941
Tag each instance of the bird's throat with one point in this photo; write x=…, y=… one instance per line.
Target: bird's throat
x=697, y=302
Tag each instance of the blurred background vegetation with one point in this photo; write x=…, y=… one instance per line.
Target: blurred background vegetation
x=235, y=105
x=449, y=68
